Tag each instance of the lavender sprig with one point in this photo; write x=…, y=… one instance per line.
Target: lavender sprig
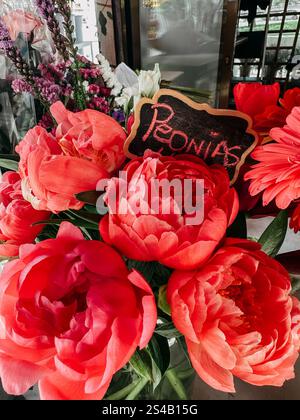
x=64, y=9
x=46, y=9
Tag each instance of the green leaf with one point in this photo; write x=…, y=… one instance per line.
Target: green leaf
x=89, y=197
x=84, y=215
x=162, y=300
x=295, y=284
x=152, y=362
x=12, y=165
x=90, y=209
x=273, y=237
x=16, y=158
x=142, y=364
x=159, y=351
x=155, y=273
x=110, y=15
x=239, y=227
x=57, y=222
x=167, y=330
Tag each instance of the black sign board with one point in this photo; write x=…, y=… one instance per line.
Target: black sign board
x=171, y=124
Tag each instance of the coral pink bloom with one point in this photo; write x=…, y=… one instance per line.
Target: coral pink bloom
x=17, y=216
x=90, y=135
x=87, y=148
x=18, y=21
x=50, y=178
x=260, y=102
x=277, y=174
x=71, y=316
x=149, y=234
x=237, y=317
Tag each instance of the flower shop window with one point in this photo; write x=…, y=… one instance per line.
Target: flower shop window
x=192, y=40
x=268, y=42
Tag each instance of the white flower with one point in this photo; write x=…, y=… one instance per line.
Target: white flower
x=146, y=84
x=126, y=96
x=149, y=81
x=109, y=76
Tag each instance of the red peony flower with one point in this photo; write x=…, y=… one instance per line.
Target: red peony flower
x=237, y=317
x=17, y=216
x=90, y=135
x=260, y=102
x=277, y=174
x=168, y=238
x=51, y=179
x=71, y=316
x=291, y=99
x=89, y=145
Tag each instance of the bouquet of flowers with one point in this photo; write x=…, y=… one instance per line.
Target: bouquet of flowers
x=106, y=276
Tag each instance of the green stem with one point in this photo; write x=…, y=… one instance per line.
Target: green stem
x=137, y=390
x=122, y=393
x=176, y=384
x=185, y=374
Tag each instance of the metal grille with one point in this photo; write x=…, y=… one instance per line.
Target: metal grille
x=268, y=46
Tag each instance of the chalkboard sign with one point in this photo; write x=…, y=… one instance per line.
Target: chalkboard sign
x=171, y=124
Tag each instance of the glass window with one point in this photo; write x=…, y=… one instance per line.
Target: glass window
x=184, y=38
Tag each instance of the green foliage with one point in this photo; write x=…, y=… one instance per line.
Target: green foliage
x=89, y=197
x=152, y=362
x=155, y=273
x=9, y=164
x=162, y=300
x=167, y=329
x=273, y=237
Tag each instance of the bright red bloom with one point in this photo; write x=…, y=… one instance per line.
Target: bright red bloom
x=260, y=102
x=237, y=317
x=273, y=116
x=90, y=135
x=295, y=220
x=291, y=98
x=17, y=216
x=277, y=174
x=168, y=238
x=71, y=316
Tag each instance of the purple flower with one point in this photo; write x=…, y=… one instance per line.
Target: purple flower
x=119, y=116
x=49, y=90
x=45, y=7
x=100, y=104
x=6, y=43
x=47, y=11
x=94, y=89
x=21, y=86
